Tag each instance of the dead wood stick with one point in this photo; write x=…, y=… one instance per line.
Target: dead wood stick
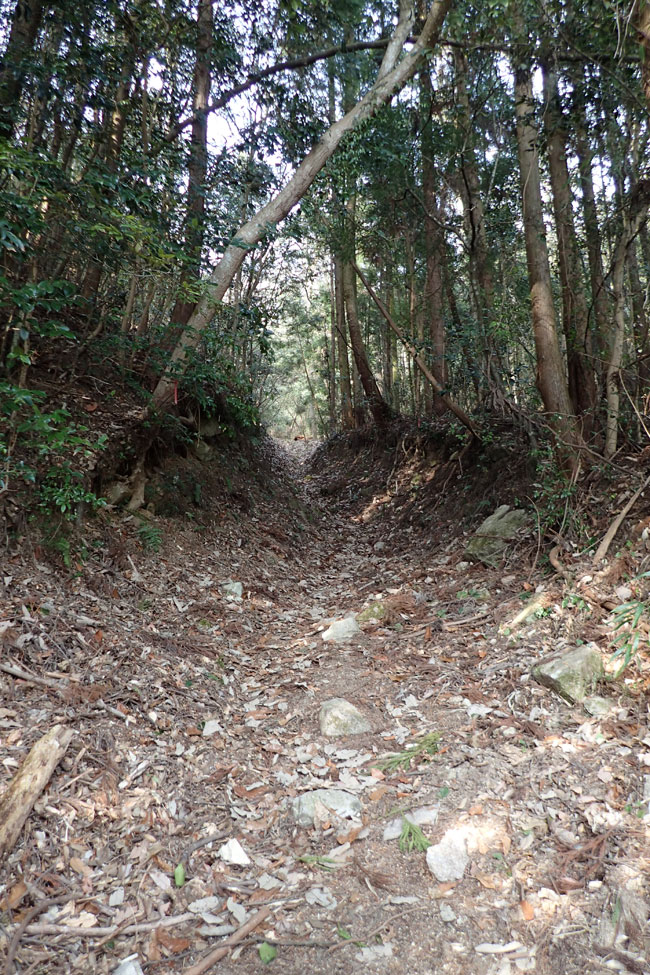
x=137, y=927
x=603, y=548
x=28, y=783
x=419, y=361
x=31, y=678
x=24, y=924
x=223, y=949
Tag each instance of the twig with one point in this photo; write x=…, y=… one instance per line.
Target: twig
x=223, y=949
x=371, y=935
x=603, y=548
x=138, y=928
x=24, y=924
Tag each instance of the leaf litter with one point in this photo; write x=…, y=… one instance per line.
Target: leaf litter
x=193, y=677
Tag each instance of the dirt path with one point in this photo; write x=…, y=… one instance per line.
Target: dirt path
x=196, y=715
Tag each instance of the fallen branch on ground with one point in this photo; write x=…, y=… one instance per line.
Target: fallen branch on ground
x=28, y=783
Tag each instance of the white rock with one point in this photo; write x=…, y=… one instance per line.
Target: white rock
x=624, y=593
x=448, y=859
x=211, y=727
x=425, y=816
x=232, y=852
x=116, y=897
x=321, y=896
x=129, y=966
x=447, y=914
x=341, y=631
x=234, y=590
x=204, y=905
x=375, y=953
x=305, y=807
x=339, y=717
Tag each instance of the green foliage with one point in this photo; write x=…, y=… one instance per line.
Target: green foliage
x=267, y=952
x=150, y=536
x=631, y=626
x=420, y=749
x=37, y=448
x=412, y=838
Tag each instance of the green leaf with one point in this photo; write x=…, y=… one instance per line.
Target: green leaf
x=267, y=952
x=179, y=875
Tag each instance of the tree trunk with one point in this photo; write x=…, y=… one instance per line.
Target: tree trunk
x=378, y=407
x=22, y=36
x=631, y=225
x=433, y=286
x=643, y=26
x=392, y=76
x=575, y=314
x=599, y=299
x=551, y=380
x=197, y=167
x=479, y=255
x=347, y=416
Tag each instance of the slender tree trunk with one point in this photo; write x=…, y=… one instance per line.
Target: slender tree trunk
x=22, y=37
x=575, y=313
x=347, y=415
x=479, y=253
x=643, y=26
x=378, y=407
x=433, y=286
x=551, y=380
x=393, y=75
x=197, y=167
x=330, y=347
x=600, y=311
x=634, y=216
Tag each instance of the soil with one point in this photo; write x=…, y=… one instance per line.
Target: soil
x=196, y=721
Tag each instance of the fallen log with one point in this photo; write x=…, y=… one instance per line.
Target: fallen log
x=28, y=783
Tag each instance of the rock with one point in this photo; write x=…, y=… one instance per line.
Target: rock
x=379, y=546
x=306, y=807
x=461, y=566
x=374, y=953
x=203, y=451
x=573, y=673
x=233, y=589
x=597, y=706
x=342, y=630
x=425, y=816
x=129, y=966
x=322, y=896
x=491, y=539
x=233, y=852
x=447, y=914
x=448, y=859
x=211, y=727
x=376, y=611
x=624, y=593
x=339, y=717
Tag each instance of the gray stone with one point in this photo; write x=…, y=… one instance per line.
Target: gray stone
x=203, y=451
x=233, y=589
x=624, y=593
x=573, y=673
x=447, y=914
x=448, y=859
x=339, y=717
x=376, y=611
x=341, y=631
x=425, y=816
x=597, y=706
x=491, y=539
x=305, y=807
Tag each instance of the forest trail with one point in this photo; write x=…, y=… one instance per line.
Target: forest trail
x=194, y=679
